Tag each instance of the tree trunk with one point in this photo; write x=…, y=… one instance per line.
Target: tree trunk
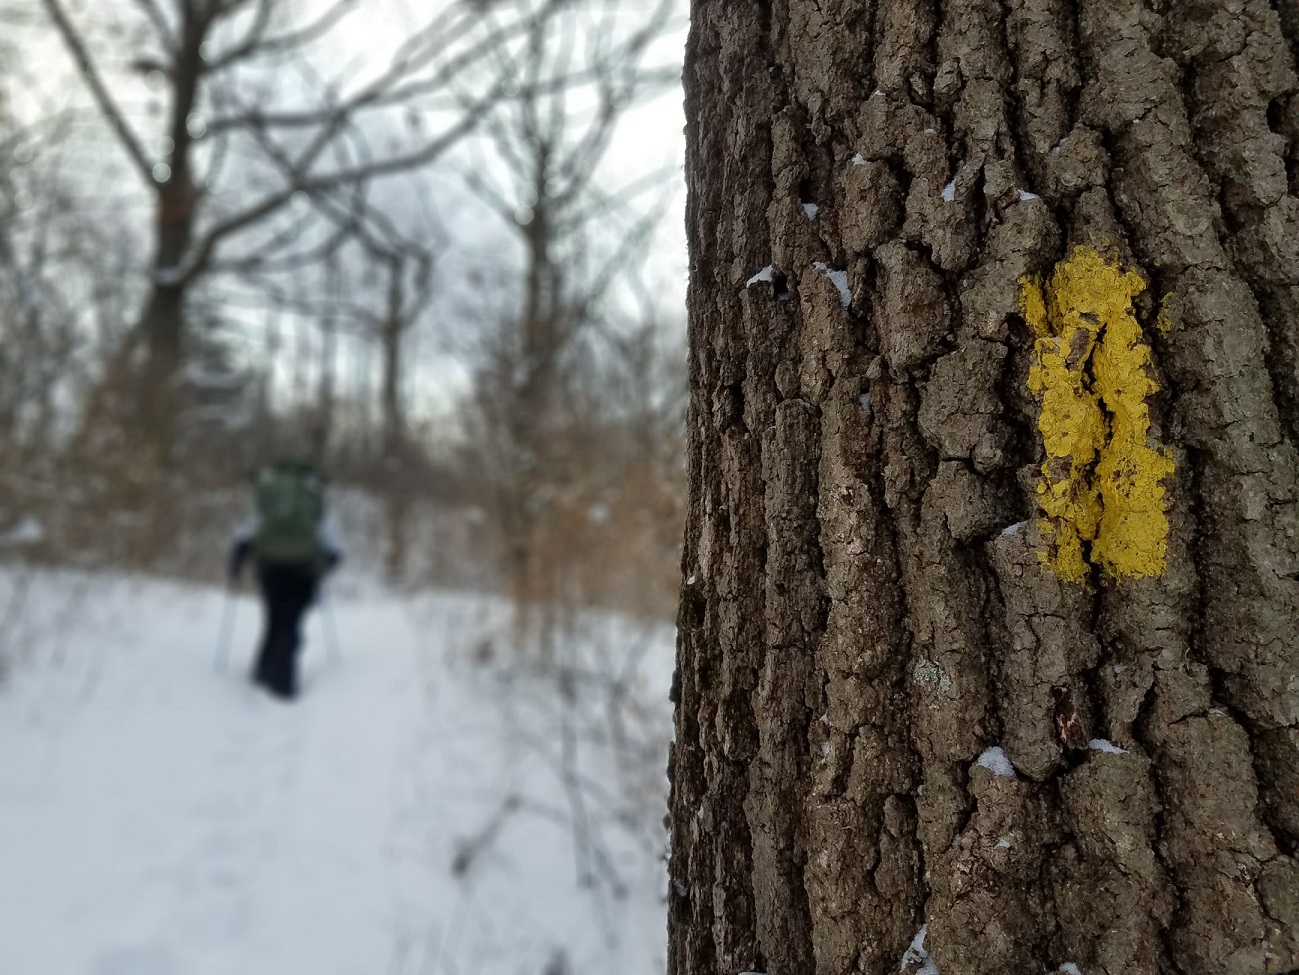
x=158, y=400
x=531, y=384
x=327, y=385
x=394, y=426
x=163, y=322
x=989, y=639
x=326, y=390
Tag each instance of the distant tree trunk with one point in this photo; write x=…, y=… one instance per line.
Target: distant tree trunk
x=265, y=415
x=326, y=389
x=156, y=389
x=364, y=381
x=530, y=380
x=394, y=424
x=990, y=620
x=162, y=324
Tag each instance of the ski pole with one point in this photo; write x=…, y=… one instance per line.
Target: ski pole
x=226, y=633
x=331, y=626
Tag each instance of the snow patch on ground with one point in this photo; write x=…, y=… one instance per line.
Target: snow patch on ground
x=405, y=816
x=28, y=531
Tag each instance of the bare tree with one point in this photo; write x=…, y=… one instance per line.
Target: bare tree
x=577, y=239
x=62, y=298
x=406, y=271
x=250, y=129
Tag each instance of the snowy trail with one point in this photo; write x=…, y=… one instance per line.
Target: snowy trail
x=159, y=819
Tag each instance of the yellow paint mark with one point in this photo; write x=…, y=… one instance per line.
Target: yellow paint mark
x=1101, y=491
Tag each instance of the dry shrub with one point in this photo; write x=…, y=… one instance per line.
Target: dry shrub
x=584, y=486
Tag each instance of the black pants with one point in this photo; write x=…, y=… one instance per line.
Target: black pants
x=288, y=591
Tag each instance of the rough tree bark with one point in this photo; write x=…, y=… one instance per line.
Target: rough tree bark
x=990, y=620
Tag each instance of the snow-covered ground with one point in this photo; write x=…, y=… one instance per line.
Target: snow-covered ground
x=431, y=806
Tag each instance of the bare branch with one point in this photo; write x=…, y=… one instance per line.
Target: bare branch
x=159, y=21
x=299, y=181
x=296, y=40
x=631, y=242
x=602, y=202
x=258, y=45
x=395, y=86
x=256, y=30
x=107, y=105
x=503, y=208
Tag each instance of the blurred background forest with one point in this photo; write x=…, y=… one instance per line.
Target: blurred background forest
x=436, y=247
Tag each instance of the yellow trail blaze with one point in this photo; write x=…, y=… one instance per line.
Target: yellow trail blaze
x=1101, y=491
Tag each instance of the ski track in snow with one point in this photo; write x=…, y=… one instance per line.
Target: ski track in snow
x=157, y=818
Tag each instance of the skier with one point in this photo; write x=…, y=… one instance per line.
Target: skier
x=294, y=544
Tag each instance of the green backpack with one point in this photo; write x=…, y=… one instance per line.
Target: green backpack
x=290, y=508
